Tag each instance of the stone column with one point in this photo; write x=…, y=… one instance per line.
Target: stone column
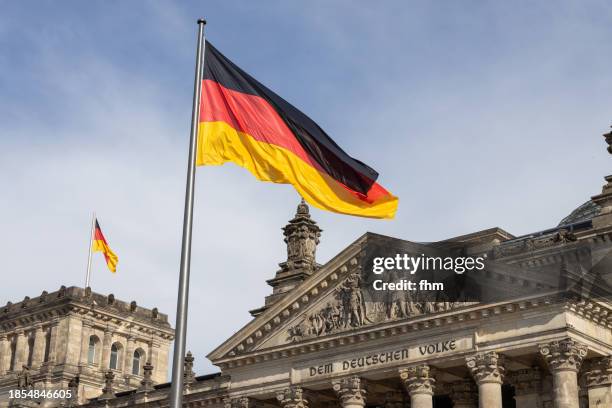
x=106, y=349
x=464, y=394
x=85, y=334
x=38, y=355
x=564, y=358
x=488, y=372
x=599, y=382
x=351, y=391
x=527, y=387
x=21, y=350
x=129, y=355
x=292, y=397
x=5, y=354
x=419, y=383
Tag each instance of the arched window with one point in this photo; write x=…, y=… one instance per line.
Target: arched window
x=115, y=356
x=138, y=356
x=13, y=354
x=30, y=351
x=47, y=345
x=93, y=350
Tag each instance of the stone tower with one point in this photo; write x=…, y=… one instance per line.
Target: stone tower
x=72, y=338
x=302, y=237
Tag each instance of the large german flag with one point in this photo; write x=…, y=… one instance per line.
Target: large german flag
x=244, y=122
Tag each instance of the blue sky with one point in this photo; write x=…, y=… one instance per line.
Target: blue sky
x=476, y=114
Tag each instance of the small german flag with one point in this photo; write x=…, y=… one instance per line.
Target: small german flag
x=244, y=122
x=100, y=245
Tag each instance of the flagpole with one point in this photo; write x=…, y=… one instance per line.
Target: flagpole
x=91, y=233
x=176, y=392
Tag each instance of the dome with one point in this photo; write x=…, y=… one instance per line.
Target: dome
x=585, y=212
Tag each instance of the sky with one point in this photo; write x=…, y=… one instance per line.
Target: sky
x=476, y=114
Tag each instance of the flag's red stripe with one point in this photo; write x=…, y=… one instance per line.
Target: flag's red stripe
x=98, y=236
x=249, y=114
x=253, y=115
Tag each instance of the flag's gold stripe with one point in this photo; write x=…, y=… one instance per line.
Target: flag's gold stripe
x=218, y=143
x=109, y=255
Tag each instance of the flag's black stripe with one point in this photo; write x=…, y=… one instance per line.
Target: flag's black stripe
x=339, y=165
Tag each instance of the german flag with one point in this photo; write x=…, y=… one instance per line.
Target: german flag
x=100, y=245
x=244, y=122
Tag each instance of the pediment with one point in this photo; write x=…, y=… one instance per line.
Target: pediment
x=339, y=298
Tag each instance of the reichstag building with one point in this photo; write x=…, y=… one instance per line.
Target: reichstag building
x=531, y=330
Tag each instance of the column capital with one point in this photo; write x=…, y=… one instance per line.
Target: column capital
x=486, y=367
x=525, y=382
x=599, y=372
x=464, y=394
x=350, y=390
x=564, y=355
x=418, y=379
x=292, y=397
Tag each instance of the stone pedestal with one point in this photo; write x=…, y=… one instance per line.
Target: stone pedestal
x=564, y=358
x=527, y=387
x=599, y=383
x=464, y=394
x=419, y=383
x=292, y=397
x=488, y=372
x=351, y=392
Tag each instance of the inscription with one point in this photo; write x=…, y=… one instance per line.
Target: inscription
x=370, y=361
x=439, y=347
x=365, y=361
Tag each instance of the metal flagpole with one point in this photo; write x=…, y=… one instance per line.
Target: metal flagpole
x=176, y=392
x=91, y=233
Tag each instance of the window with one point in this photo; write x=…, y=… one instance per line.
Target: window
x=114, y=357
x=91, y=352
x=47, y=346
x=136, y=362
x=30, y=351
x=13, y=354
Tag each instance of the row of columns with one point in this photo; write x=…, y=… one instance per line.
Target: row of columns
x=20, y=343
x=563, y=357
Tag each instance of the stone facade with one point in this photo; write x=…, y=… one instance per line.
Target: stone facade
x=322, y=340
x=74, y=339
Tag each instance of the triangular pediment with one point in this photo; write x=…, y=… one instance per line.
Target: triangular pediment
x=340, y=296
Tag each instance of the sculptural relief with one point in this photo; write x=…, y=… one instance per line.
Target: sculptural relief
x=347, y=308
